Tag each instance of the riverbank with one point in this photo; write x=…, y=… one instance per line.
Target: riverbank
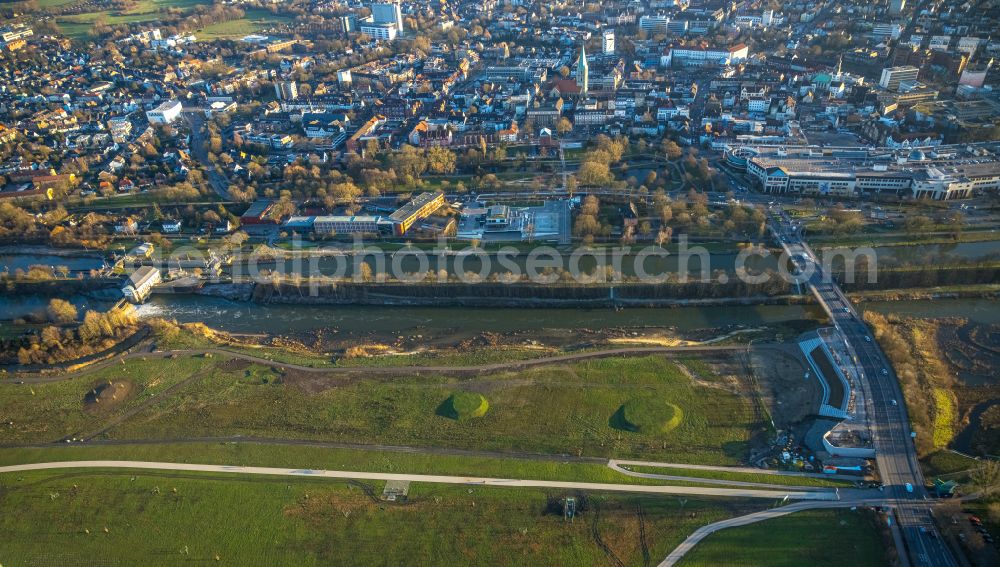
x=985, y=291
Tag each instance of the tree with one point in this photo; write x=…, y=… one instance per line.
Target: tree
x=594, y=173
x=955, y=222
x=61, y=311
x=51, y=337
x=571, y=184
x=440, y=160
x=212, y=217
x=564, y=126
x=986, y=476
x=671, y=149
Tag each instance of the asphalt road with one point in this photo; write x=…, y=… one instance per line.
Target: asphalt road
x=218, y=181
x=895, y=453
x=437, y=479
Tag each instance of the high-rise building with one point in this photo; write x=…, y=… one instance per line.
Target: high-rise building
x=893, y=76
x=388, y=13
x=349, y=23
x=582, y=72
x=286, y=90
x=896, y=7
x=608, y=42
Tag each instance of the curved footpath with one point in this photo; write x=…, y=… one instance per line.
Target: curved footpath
x=617, y=464
x=701, y=533
x=437, y=479
x=450, y=370
x=749, y=484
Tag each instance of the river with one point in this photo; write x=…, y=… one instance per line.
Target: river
x=240, y=317
x=14, y=262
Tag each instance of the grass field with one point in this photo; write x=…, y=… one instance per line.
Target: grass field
x=811, y=537
x=78, y=26
x=946, y=464
x=557, y=409
x=255, y=20
x=168, y=519
x=744, y=477
x=49, y=412
x=328, y=458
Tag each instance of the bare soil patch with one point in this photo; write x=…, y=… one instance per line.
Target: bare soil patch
x=107, y=396
x=790, y=398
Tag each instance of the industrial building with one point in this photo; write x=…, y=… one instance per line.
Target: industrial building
x=353, y=224
x=140, y=284
x=257, y=213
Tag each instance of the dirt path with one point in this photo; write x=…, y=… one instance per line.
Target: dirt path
x=444, y=370
x=118, y=420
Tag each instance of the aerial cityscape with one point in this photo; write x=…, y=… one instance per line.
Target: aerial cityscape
x=630, y=283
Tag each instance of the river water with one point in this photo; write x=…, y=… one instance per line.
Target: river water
x=14, y=262
x=238, y=317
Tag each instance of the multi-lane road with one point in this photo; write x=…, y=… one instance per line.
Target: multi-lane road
x=894, y=449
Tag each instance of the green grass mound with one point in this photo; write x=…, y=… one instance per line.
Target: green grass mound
x=464, y=405
x=648, y=415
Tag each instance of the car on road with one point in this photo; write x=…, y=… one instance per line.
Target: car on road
x=868, y=339
x=893, y=403
x=847, y=310
x=909, y=488
x=885, y=372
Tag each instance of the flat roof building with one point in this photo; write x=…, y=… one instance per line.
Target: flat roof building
x=802, y=172
x=165, y=113
x=893, y=76
x=418, y=208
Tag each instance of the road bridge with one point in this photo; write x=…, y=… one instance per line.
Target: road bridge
x=895, y=453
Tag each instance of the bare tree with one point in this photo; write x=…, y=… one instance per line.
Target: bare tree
x=986, y=476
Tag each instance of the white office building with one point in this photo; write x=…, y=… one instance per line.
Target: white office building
x=608, y=42
x=654, y=24
x=893, y=76
x=388, y=13
x=385, y=32
x=286, y=90
x=697, y=57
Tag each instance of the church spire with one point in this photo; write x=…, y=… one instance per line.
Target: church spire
x=582, y=72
